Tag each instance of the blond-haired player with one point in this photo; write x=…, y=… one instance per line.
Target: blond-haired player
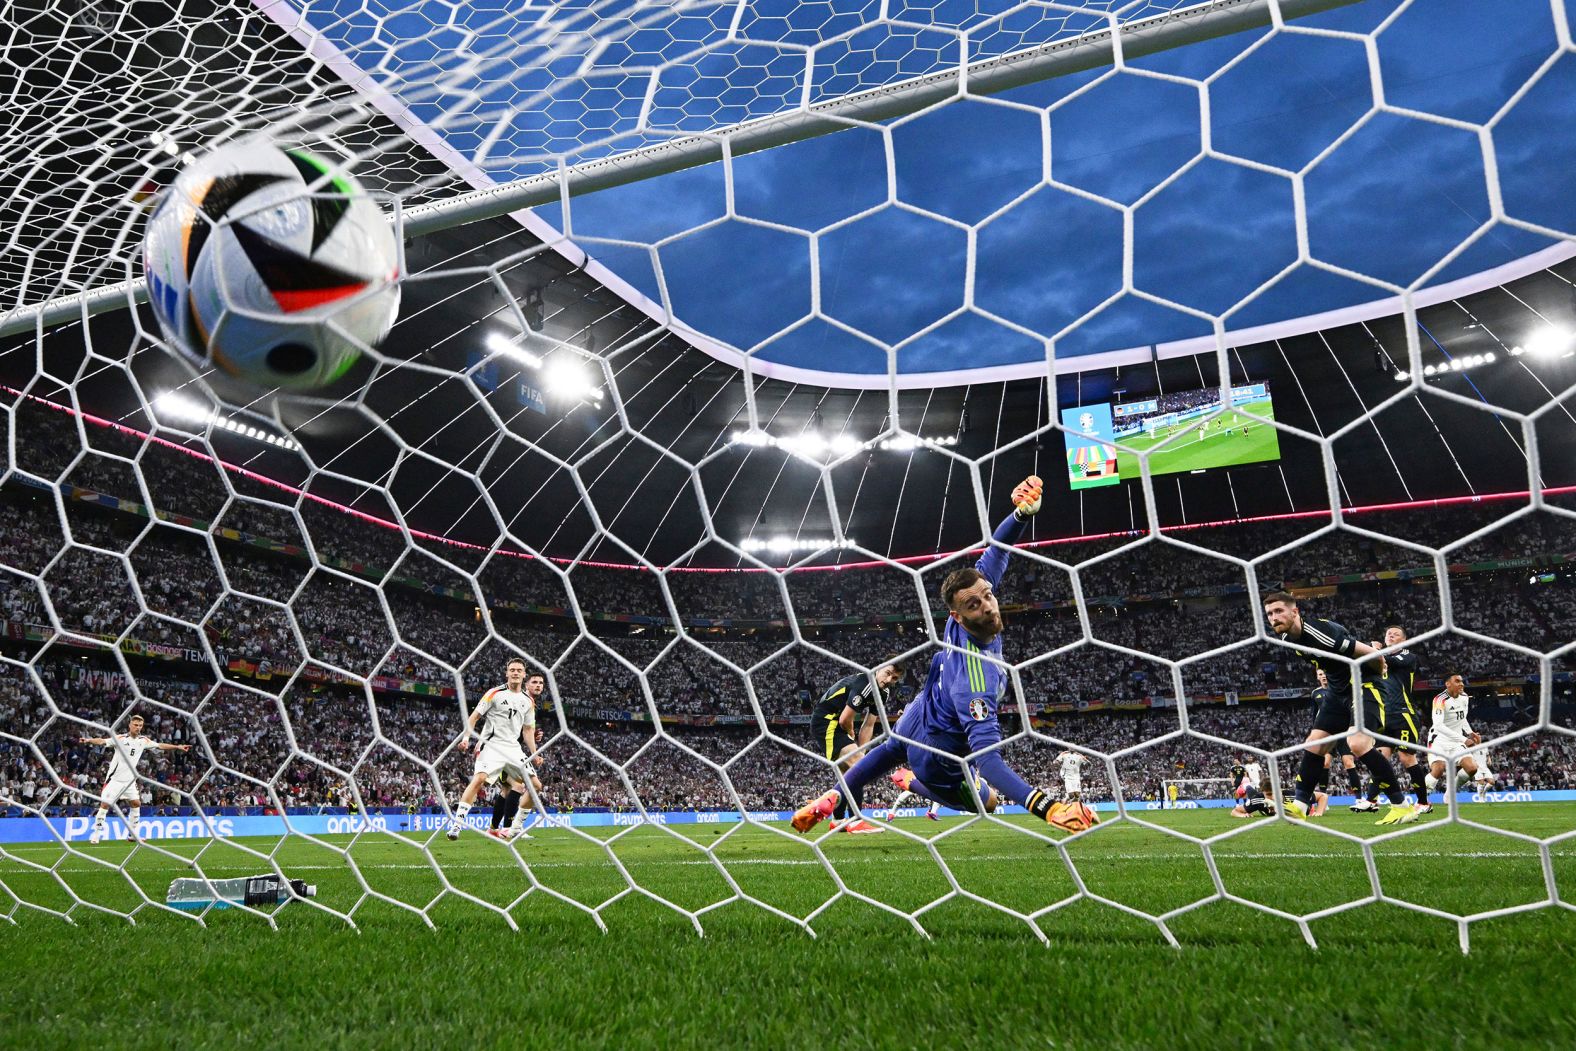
x=120, y=783
x=508, y=720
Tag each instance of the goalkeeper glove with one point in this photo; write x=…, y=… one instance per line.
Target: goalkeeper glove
x=1026, y=496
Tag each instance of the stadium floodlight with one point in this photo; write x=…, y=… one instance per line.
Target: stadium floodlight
x=1400, y=377
x=566, y=377
x=173, y=406
x=782, y=545
x=809, y=443
x=815, y=444
x=498, y=343
x=1548, y=341
x=910, y=442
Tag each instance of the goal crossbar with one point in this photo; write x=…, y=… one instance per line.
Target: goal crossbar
x=1147, y=36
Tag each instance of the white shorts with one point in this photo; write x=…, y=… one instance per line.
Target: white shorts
x=498, y=760
x=1442, y=747
x=1072, y=785
x=122, y=790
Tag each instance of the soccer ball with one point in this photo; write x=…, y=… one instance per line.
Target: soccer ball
x=272, y=265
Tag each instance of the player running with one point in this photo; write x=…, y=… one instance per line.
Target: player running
x=120, y=783
x=1451, y=736
x=509, y=715
x=849, y=699
x=955, y=712
x=1317, y=640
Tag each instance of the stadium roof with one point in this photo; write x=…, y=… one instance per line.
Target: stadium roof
x=452, y=461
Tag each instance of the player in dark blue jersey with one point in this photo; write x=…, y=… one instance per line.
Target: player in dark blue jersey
x=954, y=712
x=1322, y=643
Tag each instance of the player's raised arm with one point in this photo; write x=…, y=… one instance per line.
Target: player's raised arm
x=1026, y=499
x=163, y=747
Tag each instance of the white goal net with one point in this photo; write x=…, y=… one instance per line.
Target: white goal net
x=644, y=243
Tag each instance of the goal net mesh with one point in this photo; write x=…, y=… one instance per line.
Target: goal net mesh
x=312, y=591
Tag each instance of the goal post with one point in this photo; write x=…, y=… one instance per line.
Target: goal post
x=1185, y=793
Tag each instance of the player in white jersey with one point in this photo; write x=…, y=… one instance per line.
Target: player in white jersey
x=1072, y=764
x=515, y=826
x=1451, y=735
x=120, y=783
x=1252, y=774
x=508, y=718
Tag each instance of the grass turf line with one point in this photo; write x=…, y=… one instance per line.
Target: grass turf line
x=1107, y=979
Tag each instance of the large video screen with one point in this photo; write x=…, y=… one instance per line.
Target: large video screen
x=1229, y=439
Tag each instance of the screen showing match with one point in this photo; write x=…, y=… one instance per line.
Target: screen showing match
x=1184, y=431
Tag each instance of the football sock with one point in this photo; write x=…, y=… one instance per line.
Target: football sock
x=463, y=809
x=878, y=762
x=1419, y=775
x=133, y=819
x=1382, y=775
x=1308, y=772
x=511, y=807
x=99, y=815
x=841, y=810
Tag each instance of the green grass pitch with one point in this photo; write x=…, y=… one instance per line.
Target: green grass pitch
x=1189, y=453
x=1240, y=979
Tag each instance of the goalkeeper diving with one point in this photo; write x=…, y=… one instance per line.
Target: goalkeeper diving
x=954, y=712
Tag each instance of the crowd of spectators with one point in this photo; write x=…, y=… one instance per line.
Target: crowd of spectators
x=352, y=600
x=309, y=747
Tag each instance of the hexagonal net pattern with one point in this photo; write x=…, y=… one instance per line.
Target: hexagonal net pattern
x=305, y=596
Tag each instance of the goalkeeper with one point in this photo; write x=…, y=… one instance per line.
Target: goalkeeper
x=954, y=713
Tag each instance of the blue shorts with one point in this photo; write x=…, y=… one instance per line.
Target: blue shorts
x=941, y=770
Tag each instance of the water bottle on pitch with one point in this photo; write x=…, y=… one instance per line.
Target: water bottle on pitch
x=197, y=894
